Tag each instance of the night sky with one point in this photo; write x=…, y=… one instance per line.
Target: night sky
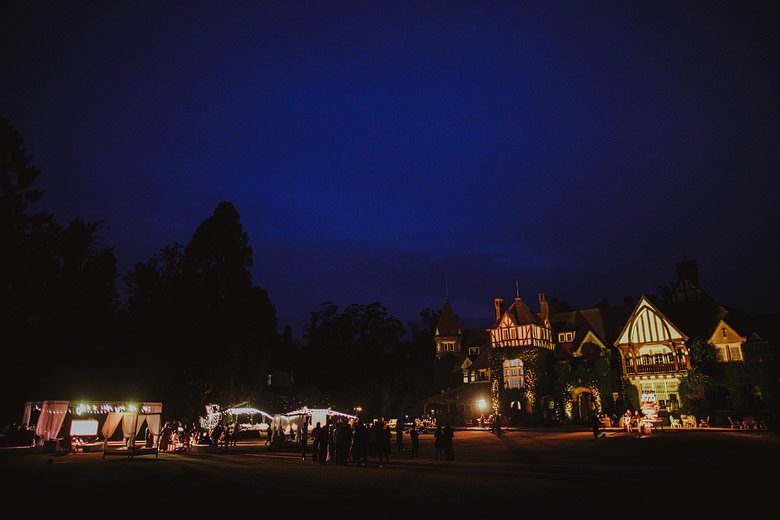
x=579, y=148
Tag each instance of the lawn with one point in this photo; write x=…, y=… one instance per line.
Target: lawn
x=545, y=471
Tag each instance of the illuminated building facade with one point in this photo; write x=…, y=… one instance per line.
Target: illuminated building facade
x=653, y=353
x=570, y=365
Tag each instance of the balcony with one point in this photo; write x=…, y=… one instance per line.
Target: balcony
x=657, y=368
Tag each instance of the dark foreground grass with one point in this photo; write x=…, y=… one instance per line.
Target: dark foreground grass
x=664, y=475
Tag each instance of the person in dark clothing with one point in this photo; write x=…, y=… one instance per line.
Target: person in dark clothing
x=315, y=443
x=269, y=435
x=414, y=435
x=323, y=443
x=360, y=445
x=497, y=425
x=382, y=443
x=304, y=438
x=216, y=433
x=438, y=437
x=449, y=447
x=332, y=443
x=399, y=435
x=340, y=440
x=595, y=424
x=372, y=440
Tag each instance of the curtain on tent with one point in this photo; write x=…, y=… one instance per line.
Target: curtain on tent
x=152, y=421
x=51, y=419
x=129, y=423
x=27, y=414
x=112, y=421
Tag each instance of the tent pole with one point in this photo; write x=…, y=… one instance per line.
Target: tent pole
x=157, y=443
x=132, y=435
x=105, y=441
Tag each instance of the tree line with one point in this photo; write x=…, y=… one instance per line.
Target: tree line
x=194, y=328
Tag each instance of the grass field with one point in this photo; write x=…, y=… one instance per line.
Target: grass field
x=667, y=473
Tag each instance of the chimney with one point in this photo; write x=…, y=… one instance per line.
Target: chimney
x=497, y=303
x=544, y=305
x=688, y=270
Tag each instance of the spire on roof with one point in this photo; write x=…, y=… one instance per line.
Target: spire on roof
x=448, y=323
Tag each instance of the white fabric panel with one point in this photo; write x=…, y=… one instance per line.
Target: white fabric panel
x=27, y=414
x=51, y=419
x=128, y=424
x=153, y=421
x=112, y=421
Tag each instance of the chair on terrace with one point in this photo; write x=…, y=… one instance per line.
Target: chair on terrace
x=675, y=422
x=704, y=423
x=735, y=425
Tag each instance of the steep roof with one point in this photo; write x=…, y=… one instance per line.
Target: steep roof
x=605, y=322
x=448, y=324
x=649, y=324
x=483, y=360
x=519, y=313
x=698, y=319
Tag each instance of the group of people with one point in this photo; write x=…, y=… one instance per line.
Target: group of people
x=175, y=436
x=344, y=442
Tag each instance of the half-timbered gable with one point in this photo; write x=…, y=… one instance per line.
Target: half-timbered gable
x=653, y=353
x=519, y=327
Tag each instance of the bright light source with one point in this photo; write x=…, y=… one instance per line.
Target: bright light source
x=481, y=404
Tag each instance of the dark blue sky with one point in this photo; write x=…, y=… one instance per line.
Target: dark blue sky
x=578, y=148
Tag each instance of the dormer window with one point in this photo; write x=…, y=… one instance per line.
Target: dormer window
x=473, y=351
x=723, y=330
x=565, y=337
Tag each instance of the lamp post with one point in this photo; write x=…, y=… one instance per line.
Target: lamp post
x=481, y=406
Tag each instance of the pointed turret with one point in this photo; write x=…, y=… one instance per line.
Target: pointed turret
x=448, y=335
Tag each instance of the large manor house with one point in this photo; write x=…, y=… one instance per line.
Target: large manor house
x=569, y=365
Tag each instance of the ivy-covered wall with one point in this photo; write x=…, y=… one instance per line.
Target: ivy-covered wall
x=538, y=364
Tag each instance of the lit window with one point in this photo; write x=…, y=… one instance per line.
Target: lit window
x=720, y=353
x=735, y=353
x=723, y=330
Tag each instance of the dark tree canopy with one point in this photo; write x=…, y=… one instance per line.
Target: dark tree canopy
x=356, y=351
x=57, y=285
x=199, y=300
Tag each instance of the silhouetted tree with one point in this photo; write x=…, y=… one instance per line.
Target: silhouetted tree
x=199, y=303
x=557, y=306
x=57, y=287
x=357, y=353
